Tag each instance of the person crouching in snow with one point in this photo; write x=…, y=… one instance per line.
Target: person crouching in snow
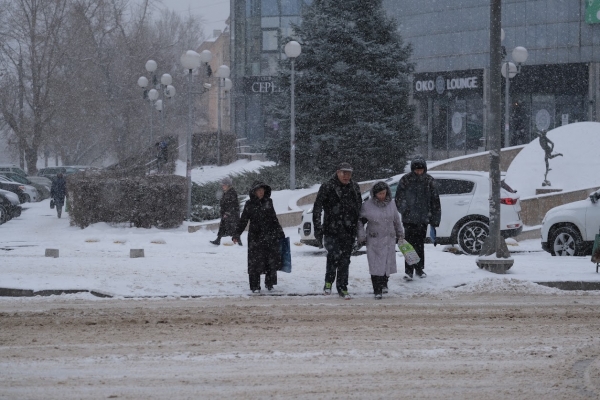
x=384, y=230
x=264, y=234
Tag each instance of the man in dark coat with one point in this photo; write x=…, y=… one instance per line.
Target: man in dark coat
x=230, y=211
x=264, y=235
x=58, y=191
x=418, y=201
x=340, y=200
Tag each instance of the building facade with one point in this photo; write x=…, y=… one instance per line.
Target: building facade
x=558, y=84
x=258, y=29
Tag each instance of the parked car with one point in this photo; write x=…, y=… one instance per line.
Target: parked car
x=570, y=229
x=51, y=172
x=9, y=206
x=43, y=192
x=17, y=188
x=40, y=180
x=465, y=210
x=12, y=168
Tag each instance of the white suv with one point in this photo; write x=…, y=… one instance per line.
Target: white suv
x=570, y=229
x=465, y=210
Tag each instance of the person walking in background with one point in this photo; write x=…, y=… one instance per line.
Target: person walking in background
x=264, y=234
x=230, y=211
x=384, y=230
x=418, y=200
x=161, y=155
x=58, y=192
x=339, y=199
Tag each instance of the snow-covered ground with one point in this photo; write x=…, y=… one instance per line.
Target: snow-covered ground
x=178, y=263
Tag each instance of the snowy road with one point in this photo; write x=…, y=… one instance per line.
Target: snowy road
x=438, y=346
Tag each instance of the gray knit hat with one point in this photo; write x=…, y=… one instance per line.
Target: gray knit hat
x=226, y=181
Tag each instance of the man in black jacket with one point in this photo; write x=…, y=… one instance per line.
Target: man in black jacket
x=230, y=211
x=58, y=192
x=340, y=200
x=418, y=200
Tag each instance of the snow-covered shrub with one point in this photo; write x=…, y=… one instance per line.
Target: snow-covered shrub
x=144, y=201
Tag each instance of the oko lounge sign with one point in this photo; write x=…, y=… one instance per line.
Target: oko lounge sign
x=437, y=84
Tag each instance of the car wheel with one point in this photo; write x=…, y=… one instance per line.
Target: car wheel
x=27, y=198
x=566, y=241
x=472, y=235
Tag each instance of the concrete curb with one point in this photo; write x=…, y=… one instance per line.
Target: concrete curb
x=8, y=292
x=572, y=285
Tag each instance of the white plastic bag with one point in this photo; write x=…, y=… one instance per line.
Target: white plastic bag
x=410, y=255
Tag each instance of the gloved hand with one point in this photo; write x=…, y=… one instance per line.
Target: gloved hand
x=319, y=237
x=281, y=235
x=433, y=235
x=399, y=239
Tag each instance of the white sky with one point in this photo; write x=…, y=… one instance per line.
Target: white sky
x=214, y=12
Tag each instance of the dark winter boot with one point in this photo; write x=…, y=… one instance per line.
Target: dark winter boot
x=240, y=242
x=216, y=242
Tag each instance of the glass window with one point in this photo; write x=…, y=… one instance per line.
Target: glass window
x=252, y=8
x=269, y=22
x=269, y=42
x=255, y=69
x=290, y=7
x=269, y=8
x=454, y=186
x=286, y=29
x=269, y=63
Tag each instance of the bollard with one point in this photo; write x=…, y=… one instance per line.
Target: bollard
x=136, y=253
x=52, y=253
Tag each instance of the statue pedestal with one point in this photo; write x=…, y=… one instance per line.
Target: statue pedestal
x=547, y=190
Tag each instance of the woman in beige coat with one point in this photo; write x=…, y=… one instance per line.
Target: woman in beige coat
x=383, y=230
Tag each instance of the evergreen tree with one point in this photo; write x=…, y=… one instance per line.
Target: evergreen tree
x=351, y=91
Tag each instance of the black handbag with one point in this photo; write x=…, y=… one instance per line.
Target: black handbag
x=51, y=203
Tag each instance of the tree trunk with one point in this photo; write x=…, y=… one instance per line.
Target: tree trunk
x=31, y=157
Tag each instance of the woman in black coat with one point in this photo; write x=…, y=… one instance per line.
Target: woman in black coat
x=230, y=211
x=264, y=234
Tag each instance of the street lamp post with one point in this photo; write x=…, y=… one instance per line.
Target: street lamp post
x=519, y=55
x=191, y=60
x=151, y=67
x=292, y=50
x=222, y=73
x=494, y=255
x=143, y=83
x=168, y=91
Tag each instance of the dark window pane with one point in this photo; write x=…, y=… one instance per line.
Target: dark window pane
x=454, y=186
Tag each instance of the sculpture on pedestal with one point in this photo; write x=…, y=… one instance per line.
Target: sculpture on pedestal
x=548, y=147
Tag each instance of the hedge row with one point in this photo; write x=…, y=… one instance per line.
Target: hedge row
x=143, y=201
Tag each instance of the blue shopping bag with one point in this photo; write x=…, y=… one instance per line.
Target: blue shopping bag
x=286, y=255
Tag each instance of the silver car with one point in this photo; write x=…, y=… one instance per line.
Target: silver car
x=30, y=193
